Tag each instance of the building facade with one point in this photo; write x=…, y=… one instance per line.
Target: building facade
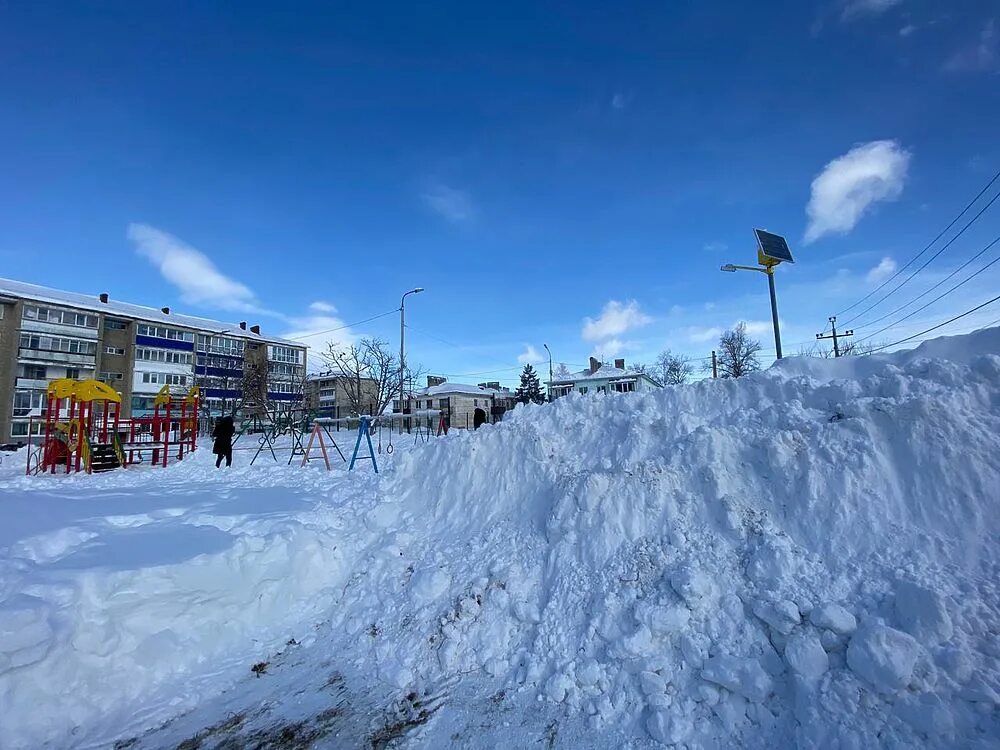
x=462, y=406
x=601, y=378
x=328, y=394
x=47, y=334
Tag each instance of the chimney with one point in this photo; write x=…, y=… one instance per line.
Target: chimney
x=594, y=365
x=620, y=364
x=104, y=297
x=255, y=329
x=165, y=310
x=243, y=325
x=433, y=380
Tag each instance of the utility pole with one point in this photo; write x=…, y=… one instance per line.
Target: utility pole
x=835, y=336
x=715, y=366
x=550, y=369
x=402, y=351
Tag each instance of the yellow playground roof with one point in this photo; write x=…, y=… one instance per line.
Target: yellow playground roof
x=83, y=390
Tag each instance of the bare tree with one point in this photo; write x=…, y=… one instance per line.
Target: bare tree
x=737, y=353
x=562, y=372
x=671, y=369
x=371, y=374
x=848, y=348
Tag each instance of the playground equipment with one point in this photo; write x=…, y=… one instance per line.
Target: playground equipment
x=84, y=431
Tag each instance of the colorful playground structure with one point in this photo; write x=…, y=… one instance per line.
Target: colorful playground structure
x=84, y=430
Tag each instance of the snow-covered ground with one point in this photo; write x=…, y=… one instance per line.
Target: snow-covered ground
x=808, y=556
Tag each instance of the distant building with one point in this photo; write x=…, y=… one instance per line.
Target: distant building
x=601, y=378
x=46, y=334
x=328, y=394
x=462, y=406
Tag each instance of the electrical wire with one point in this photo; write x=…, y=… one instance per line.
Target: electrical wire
x=931, y=289
x=939, y=325
x=940, y=296
x=928, y=261
x=341, y=328
x=928, y=247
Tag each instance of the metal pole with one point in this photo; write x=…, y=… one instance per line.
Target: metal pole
x=836, y=347
x=774, y=312
x=402, y=308
x=550, y=369
x=715, y=366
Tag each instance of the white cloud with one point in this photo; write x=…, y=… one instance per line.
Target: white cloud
x=758, y=327
x=620, y=100
x=530, y=356
x=881, y=272
x=850, y=184
x=322, y=307
x=854, y=9
x=318, y=332
x=715, y=247
x=191, y=271
x=701, y=334
x=978, y=57
x=907, y=30
x=616, y=318
x=450, y=203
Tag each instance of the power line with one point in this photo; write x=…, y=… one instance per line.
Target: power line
x=939, y=297
x=928, y=247
x=931, y=289
x=929, y=260
x=341, y=328
x=939, y=325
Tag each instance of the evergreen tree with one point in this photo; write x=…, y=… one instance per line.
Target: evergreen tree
x=530, y=390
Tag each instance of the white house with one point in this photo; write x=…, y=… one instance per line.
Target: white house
x=601, y=378
x=463, y=406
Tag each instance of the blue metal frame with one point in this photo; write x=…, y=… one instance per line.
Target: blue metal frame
x=363, y=429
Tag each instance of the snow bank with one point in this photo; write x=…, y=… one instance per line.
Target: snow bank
x=806, y=556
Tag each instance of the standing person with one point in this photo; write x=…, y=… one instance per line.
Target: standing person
x=223, y=446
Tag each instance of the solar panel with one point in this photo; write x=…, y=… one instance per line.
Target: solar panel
x=773, y=247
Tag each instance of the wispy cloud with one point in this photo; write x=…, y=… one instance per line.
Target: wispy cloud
x=715, y=247
x=615, y=319
x=620, y=100
x=322, y=307
x=850, y=184
x=192, y=272
x=608, y=349
x=855, y=9
x=886, y=268
x=452, y=204
x=980, y=56
x=530, y=356
x=701, y=334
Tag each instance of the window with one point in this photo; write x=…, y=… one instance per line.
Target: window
x=34, y=372
x=25, y=401
x=583, y=389
x=43, y=343
x=163, y=355
x=602, y=389
x=61, y=317
x=110, y=324
x=284, y=354
x=73, y=373
x=151, y=377
x=162, y=332
x=114, y=350
x=220, y=345
x=623, y=386
x=164, y=378
x=111, y=377
x=443, y=403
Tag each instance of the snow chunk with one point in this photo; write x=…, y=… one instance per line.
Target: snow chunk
x=25, y=633
x=745, y=677
x=926, y=713
x=669, y=727
x=652, y=683
x=883, y=656
x=693, y=585
x=429, y=584
x=806, y=656
x=783, y=616
x=922, y=613
x=833, y=617
x=662, y=620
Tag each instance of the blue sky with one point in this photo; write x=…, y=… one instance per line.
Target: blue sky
x=570, y=174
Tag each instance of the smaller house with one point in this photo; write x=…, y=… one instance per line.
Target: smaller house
x=463, y=406
x=601, y=378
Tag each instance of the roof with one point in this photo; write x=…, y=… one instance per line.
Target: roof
x=604, y=372
x=12, y=288
x=459, y=389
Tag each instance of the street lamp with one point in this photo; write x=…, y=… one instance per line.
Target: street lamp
x=402, y=369
x=769, y=271
x=550, y=369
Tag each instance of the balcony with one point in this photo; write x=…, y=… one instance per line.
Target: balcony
x=49, y=357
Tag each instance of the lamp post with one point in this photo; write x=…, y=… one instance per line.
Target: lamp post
x=550, y=369
x=402, y=367
x=769, y=272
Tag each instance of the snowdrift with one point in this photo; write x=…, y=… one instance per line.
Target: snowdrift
x=806, y=556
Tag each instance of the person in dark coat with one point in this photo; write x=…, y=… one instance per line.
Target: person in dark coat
x=223, y=446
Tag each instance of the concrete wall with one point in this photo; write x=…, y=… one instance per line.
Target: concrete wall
x=10, y=315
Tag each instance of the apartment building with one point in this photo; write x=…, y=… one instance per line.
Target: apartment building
x=330, y=394
x=47, y=334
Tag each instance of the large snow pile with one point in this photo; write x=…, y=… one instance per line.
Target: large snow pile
x=806, y=556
